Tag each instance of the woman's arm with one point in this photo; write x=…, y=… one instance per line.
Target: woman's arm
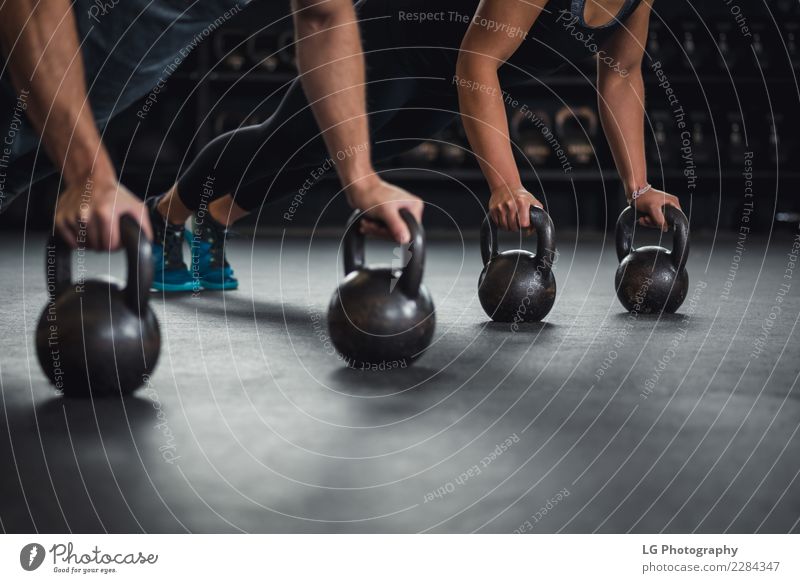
x=484, y=50
x=621, y=102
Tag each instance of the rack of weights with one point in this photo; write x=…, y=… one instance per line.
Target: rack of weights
x=529, y=130
x=229, y=48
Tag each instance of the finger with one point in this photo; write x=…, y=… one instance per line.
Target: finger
x=111, y=234
x=494, y=216
x=502, y=217
x=87, y=232
x=66, y=232
x=144, y=221
x=416, y=207
x=396, y=225
x=658, y=219
x=646, y=221
x=101, y=227
x=370, y=229
x=524, y=215
x=511, y=217
x=497, y=217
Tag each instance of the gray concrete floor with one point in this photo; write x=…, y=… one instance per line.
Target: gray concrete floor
x=250, y=426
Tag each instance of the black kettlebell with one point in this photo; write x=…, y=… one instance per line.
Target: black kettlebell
x=652, y=279
x=381, y=314
x=94, y=338
x=518, y=286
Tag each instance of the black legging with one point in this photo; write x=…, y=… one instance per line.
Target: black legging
x=409, y=100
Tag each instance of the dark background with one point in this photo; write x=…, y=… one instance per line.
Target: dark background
x=740, y=93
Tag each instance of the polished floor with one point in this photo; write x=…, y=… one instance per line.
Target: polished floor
x=591, y=422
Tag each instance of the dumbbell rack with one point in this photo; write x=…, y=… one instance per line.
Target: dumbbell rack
x=230, y=83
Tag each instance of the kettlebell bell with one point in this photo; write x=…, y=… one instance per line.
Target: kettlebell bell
x=518, y=286
x=94, y=338
x=381, y=315
x=652, y=279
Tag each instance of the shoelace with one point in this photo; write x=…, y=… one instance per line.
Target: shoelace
x=173, y=246
x=216, y=236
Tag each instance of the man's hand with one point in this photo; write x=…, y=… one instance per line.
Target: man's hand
x=650, y=205
x=88, y=213
x=46, y=62
x=511, y=208
x=382, y=201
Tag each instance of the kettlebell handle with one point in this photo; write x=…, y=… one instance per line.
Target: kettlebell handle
x=545, y=240
x=140, y=265
x=411, y=279
x=626, y=223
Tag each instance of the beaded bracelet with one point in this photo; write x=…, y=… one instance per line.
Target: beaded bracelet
x=640, y=191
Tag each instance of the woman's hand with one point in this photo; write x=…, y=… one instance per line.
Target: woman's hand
x=650, y=205
x=511, y=208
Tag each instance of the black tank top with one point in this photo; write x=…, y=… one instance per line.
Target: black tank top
x=434, y=29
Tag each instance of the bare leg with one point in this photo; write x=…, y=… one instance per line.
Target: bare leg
x=225, y=211
x=172, y=208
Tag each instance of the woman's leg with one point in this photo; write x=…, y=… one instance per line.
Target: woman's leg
x=420, y=119
x=225, y=161
x=287, y=146
x=288, y=140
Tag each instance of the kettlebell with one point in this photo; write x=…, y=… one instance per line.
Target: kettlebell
x=94, y=338
x=652, y=279
x=381, y=315
x=518, y=286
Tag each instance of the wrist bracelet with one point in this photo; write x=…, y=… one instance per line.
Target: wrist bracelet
x=640, y=191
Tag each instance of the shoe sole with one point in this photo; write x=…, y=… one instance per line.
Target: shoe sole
x=173, y=287
x=219, y=286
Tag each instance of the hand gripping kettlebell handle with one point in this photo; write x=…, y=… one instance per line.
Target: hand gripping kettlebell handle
x=626, y=223
x=545, y=240
x=411, y=279
x=140, y=264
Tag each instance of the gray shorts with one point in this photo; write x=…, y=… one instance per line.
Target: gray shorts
x=128, y=47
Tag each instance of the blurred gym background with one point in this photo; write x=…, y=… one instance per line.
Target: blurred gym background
x=739, y=94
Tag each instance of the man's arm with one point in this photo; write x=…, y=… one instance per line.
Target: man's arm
x=331, y=63
x=621, y=102
x=40, y=42
x=483, y=109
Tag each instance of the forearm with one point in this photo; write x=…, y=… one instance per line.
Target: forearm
x=621, y=105
x=484, y=117
x=331, y=64
x=40, y=42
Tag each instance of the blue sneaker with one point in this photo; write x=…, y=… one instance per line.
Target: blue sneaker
x=209, y=266
x=170, y=273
